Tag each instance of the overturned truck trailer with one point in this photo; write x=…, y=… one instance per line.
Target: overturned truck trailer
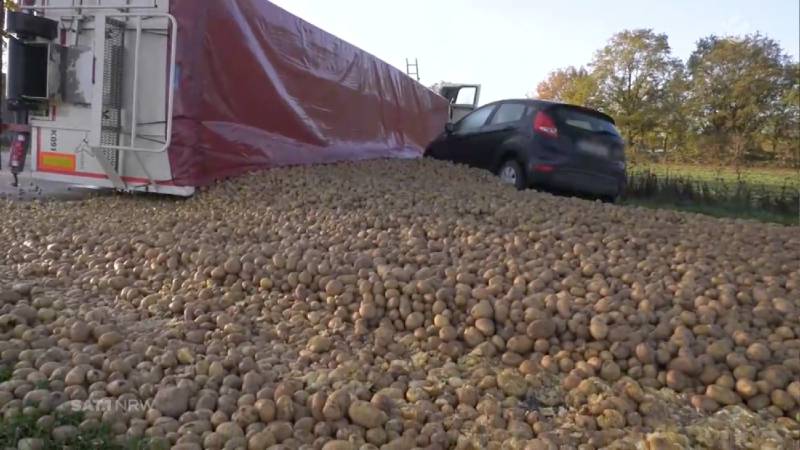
x=170, y=95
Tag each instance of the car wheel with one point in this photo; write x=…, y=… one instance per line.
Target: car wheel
x=510, y=172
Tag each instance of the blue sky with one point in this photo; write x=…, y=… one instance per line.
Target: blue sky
x=507, y=46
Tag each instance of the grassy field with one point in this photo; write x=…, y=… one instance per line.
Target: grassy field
x=768, y=178
x=768, y=195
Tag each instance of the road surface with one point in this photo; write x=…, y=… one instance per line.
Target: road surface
x=30, y=189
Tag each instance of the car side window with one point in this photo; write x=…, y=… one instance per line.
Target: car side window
x=475, y=119
x=529, y=111
x=508, y=112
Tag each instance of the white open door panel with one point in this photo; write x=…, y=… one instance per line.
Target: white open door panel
x=463, y=98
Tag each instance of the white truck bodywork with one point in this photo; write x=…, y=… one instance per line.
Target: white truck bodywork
x=109, y=91
x=111, y=124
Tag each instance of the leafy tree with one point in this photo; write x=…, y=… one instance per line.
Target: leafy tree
x=782, y=129
x=735, y=100
x=737, y=85
x=633, y=73
x=673, y=131
x=569, y=85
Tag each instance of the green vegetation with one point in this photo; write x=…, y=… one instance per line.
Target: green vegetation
x=777, y=179
x=18, y=427
x=716, y=133
x=765, y=195
x=5, y=373
x=36, y=430
x=722, y=211
x=32, y=428
x=735, y=102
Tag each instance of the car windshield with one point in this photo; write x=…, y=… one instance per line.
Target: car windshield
x=576, y=118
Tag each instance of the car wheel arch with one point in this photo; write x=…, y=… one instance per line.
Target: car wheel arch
x=505, y=155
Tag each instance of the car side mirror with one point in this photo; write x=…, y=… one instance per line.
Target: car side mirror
x=449, y=127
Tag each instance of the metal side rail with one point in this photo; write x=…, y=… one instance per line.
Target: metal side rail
x=106, y=124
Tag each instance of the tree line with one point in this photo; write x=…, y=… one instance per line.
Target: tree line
x=734, y=101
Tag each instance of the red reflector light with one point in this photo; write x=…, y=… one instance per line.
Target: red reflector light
x=544, y=124
x=542, y=168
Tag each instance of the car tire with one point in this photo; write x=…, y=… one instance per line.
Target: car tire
x=510, y=172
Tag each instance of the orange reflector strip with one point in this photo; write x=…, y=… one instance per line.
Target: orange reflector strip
x=57, y=161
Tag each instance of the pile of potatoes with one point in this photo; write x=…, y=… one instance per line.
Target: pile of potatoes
x=399, y=304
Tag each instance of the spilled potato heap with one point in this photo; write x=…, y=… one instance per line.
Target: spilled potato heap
x=399, y=305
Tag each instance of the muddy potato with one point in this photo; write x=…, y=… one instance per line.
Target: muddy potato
x=397, y=305
x=782, y=400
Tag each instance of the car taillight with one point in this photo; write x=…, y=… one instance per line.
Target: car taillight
x=544, y=124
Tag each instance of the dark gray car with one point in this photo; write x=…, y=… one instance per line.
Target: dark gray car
x=537, y=143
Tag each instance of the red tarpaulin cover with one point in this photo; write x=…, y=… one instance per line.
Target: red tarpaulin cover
x=257, y=87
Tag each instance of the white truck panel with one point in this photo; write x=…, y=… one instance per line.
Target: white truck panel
x=67, y=140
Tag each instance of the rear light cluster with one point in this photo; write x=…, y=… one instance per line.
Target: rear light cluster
x=542, y=168
x=544, y=124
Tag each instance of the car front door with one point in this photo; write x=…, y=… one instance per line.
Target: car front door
x=501, y=127
x=457, y=146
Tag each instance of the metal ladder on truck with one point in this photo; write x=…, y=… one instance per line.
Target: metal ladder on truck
x=460, y=105
x=412, y=69
x=93, y=122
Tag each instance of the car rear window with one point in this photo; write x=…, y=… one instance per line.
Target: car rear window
x=579, y=119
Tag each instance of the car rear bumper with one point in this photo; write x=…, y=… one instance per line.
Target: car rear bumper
x=577, y=181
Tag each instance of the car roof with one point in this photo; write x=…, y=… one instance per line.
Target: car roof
x=542, y=102
x=529, y=100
